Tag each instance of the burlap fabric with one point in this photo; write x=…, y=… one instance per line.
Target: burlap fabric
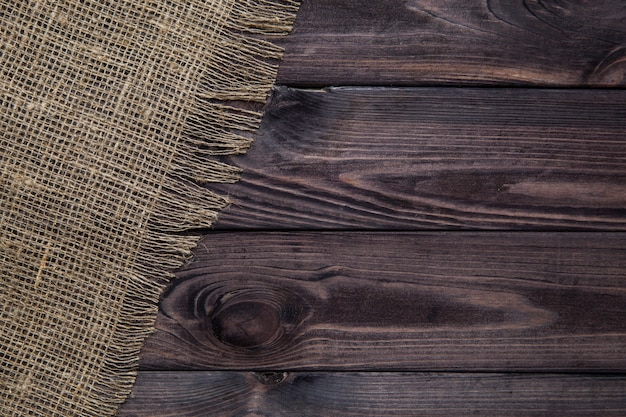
x=110, y=112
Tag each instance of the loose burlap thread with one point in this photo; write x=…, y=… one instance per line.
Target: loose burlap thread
x=110, y=115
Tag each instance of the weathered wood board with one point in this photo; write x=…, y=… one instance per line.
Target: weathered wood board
x=436, y=158
x=456, y=42
x=160, y=394
x=402, y=301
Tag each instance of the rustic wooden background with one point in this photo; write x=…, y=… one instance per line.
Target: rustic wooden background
x=432, y=221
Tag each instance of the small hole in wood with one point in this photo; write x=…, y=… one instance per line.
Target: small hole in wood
x=271, y=378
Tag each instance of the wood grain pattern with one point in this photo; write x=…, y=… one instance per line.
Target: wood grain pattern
x=288, y=304
x=468, y=42
x=397, y=301
x=160, y=394
x=439, y=158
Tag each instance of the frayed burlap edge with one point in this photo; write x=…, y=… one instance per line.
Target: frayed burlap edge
x=243, y=69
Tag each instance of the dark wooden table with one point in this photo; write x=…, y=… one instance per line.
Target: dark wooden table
x=432, y=221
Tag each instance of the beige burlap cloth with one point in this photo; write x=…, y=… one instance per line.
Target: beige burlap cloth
x=110, y=112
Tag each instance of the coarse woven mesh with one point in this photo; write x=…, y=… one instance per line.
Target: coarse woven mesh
x=110, y=112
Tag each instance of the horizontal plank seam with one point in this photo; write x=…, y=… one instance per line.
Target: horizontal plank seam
x=395, y=371
x=407, y=231
x=323, y=87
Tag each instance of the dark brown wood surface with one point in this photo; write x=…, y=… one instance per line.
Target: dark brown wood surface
x=401, y=301
x=441, y=321
x=160, y=394
x=437, y=158
x=459, y=42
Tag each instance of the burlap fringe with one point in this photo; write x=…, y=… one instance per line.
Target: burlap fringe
x=244, y=68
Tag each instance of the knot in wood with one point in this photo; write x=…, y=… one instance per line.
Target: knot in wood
x=246, y=324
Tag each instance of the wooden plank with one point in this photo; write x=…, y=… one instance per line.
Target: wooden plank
x=160, y=394
x=469, y=42
x=397, y=301
x=439, y=158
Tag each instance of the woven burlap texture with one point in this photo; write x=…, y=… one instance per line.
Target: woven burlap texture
x=110, y=113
